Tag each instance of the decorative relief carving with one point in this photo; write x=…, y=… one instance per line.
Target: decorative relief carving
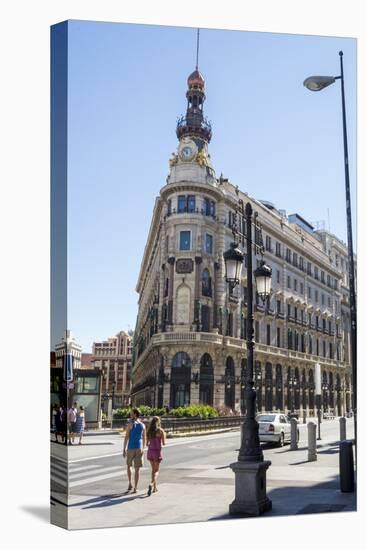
x=184, y=266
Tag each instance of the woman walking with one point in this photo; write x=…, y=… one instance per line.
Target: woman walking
x=155, y=440
x=80, y=423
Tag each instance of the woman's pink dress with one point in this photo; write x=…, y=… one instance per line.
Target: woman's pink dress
x=154, y=449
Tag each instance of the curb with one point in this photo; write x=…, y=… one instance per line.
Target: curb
x=194, y=434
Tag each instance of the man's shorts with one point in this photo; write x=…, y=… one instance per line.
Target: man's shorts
x=135, y=456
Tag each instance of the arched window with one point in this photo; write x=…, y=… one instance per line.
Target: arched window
x=230, y=383
x=181, y=359
x=206, y=283
x=206, y=380
x=180, y=381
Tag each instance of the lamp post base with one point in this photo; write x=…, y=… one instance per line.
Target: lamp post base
x=250, y=489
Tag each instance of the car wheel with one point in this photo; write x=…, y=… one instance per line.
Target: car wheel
x=281, y=441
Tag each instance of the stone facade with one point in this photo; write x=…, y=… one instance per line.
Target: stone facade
x=114, y=357
x=189, y=344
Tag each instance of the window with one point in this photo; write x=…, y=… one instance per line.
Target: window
x=328, y=280
x=309, y=268
x=185, y=240
x=206, y=283
x=316, y=274
x=288, y=255
x=278, y=337
x=322, y=276
x=289, y=338
x=295, y=284
x=330, y=350
x=309, y=291
x=268, y=243
x=207, y=207
x=278, y=306
x=303, y=343
x=317, y=347
x=316, y=296
x=301, y=288
x=288, y=281
x=278, y=250
x=278, y=276
x=288, y=310
x=209, y=243
x=323, y=299
x=191, y=203
x=169, y=207
x=301, y=263
x=324, y=349
x=324, y=325
x=166, y=289
x=182, y=204
x=268, y=335
x=295, y=312
x=294, y=259
x=330, y=326
x=257, y=331
x=329, y=303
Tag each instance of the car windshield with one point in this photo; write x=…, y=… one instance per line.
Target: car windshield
x=266, y=418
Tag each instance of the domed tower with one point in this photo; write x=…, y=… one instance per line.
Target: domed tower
x=194, y=124
x=191, y=162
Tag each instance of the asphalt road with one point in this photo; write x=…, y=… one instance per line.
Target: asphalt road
x=98, y=468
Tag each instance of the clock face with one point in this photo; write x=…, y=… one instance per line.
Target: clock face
x=187, y=153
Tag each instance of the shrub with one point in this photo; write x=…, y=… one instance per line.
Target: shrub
x=194, y=411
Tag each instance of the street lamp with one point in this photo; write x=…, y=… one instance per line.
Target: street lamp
x=250, y=469
x=314, y=84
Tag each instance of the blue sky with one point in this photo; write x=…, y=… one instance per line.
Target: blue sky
x=271, y=136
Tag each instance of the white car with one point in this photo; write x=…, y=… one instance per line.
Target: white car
x=275, y=428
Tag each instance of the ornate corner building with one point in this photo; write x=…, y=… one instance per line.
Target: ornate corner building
x=189, y=344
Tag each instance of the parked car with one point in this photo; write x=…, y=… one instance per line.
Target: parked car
x=275, y=428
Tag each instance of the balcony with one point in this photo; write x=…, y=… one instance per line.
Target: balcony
x=195, y=212
x=280, y=315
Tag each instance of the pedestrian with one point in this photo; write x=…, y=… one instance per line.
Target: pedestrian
x=155, y=440
x=135, y=442
x=71, y=418
x=59, y=424
x=80, y=423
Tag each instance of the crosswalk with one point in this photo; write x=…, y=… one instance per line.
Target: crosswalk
x=74, y=474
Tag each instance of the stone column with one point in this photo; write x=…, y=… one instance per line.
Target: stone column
x=215, y=323
x=197, y=293
x=171, y=262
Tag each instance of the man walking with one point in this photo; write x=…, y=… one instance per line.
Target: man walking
x=135, y=441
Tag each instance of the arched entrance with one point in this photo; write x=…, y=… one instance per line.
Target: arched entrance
x=297, y=389
x=180, y=381
x=311, y=391
x=243, y=382
x=268, y=392
x=325, y=392
x=258, y=384
x=303, y=389
x=230, y=383
x=206, y=380
x=279, y=388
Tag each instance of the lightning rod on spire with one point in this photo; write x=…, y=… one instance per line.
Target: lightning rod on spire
x=198, y=47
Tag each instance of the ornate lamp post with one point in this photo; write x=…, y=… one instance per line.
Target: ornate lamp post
x=250, y=469
x=315, y=84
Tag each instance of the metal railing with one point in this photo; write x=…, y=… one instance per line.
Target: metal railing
x=184, y=425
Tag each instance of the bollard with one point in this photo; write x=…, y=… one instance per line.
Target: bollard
x=342, y=428
x=293, y=423
x=346, y=470
x=312, y=442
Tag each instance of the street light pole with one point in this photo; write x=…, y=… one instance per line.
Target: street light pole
x=250, y=469
x=317, y=83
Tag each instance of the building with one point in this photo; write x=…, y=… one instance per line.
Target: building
x=189, y=344
x=113, y=356
x=74, y=379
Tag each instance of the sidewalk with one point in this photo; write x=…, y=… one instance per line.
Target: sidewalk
x=294, y=485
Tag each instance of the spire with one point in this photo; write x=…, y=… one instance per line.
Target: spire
x=198, y=48
x=194, y=123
